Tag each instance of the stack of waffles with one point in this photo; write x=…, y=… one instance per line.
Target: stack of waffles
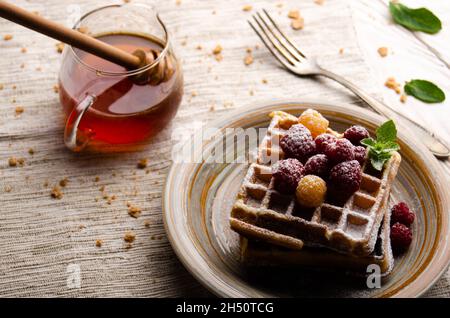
x=276, y=230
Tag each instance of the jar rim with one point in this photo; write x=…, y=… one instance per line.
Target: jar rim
x=124, y=73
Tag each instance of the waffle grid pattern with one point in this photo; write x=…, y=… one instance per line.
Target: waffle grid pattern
x=261, y=212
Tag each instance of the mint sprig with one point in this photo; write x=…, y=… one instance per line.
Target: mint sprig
x=380, y=149
x=420, y=19
x=425, y=91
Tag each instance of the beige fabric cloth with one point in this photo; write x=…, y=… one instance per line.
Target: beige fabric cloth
x=44, y=241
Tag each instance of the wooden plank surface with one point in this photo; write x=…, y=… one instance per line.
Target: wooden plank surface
x=42, y=237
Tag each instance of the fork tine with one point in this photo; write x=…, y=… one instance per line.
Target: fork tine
x=282, y=33
x=292, y=50
x=287, y=60
x=288, y=64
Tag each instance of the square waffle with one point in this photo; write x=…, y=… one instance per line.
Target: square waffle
x=257, y=254
x=260, y=212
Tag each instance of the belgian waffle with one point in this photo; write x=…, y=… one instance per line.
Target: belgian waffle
x=259, y=254
x=262, y=213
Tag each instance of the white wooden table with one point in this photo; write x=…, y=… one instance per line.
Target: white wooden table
x=45, y=240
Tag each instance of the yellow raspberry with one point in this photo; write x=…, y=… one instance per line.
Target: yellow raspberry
x=311, y=191
x=314, y=121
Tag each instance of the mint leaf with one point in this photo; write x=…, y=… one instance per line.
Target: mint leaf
x=378, y=160
x=425, y=91
x=420, y=19
x=386, y=132
x=380, y=150
x=390, y=146
x=368, y=142
x=377, y=163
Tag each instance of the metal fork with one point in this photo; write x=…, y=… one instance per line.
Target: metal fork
x=290, y=56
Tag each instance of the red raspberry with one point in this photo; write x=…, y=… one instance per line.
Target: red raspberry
x=287, y=173
x=341, y=150
x=298, y=143
x=402, y=214
x=360, y=154
x=317, y=165
x=355, y=134
x=323, y=140
x=346, y=176
x=401, y=237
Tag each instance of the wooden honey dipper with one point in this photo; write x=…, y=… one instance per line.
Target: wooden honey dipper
x=130, y=61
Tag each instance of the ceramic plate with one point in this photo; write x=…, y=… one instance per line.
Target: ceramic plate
x=199, y=194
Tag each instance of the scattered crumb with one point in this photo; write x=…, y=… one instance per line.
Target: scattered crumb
x=383, y=51
x=81, y=226
x=134, y=211
x=248, y=59
x=294, y=14
x=391, y=83
x=98, y=243
x=7, y=37
x=177, y=2
x=341, y=50
x=97, y=179
x=45, y=184
x=8, y=188
x=217, y=49
x=297, y=21
x=22, y=65
x=129, y=237
x=59, y=47
x=247, y=7
x=251, y=92
x=212, y=108
x=31, y=151
x=23, y=50
x=218, y=57
x=63, y=182
x=403, y=98
x=14, y=86
x=319, y=2
x=19, y=110
x=298, y=24
x=249, y=50
x=194, y=93
x=56, y=88
x=12, y=162
x=142, y=164
x=56, y=193
x=147, y=223
x=2, y=87
x=199, y=47
x=264, y=81
x=38, y=68
x=183, y=43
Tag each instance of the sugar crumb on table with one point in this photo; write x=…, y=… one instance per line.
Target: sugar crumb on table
x=142, y=163
x=59, y=47
x=383, y=51
x=56, y=193
x=19, y=110
x=7, y=37
x=63, y=182
x=129, y=237
x=248, y=59
x=98, y=243
x=247, y=7
x=391, y=83
x=134, y=211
